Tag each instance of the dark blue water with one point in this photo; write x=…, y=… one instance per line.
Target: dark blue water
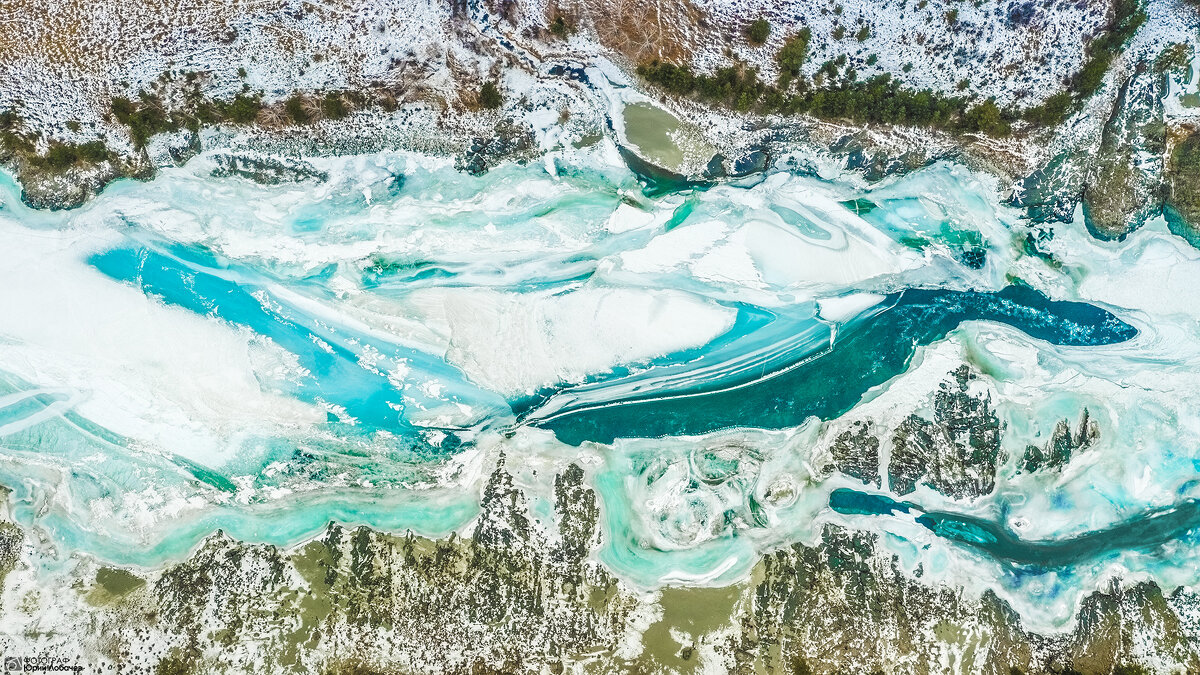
x=1147, y=531
x=864, y=356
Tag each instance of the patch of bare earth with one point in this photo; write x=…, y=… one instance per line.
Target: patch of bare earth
x=638, y=30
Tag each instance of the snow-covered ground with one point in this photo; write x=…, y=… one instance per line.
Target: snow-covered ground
x=61, y=61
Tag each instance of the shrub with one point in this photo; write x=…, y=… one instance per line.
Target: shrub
x=93, y=151
x=1091, y=76
x=828, y=69
x=1052, y=111
x=59, y=157
x=559, y=27
x=63, y=156
x=1174, y=59
x=668, y=76
x=333, y=107
x=1127, y=18
x=490, y=96
x=734, y=86
x=1183, y=165
x=758, y=31
x=792, y=56
x=144, y=118
x=122, y=108
x=295, y=109
x=987, y=118
x=243, y=109
x=877, y=100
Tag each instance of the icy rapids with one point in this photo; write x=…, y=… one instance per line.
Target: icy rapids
x=194, y=353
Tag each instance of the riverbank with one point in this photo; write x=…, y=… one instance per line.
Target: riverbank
x=488, y=84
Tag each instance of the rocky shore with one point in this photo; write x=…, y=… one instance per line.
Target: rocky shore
x=525, y=595
x=1119, y=144
x=522, y=588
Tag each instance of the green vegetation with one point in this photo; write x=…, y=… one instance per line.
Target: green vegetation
x=877, y=100
x=1127, y=18
x=333, y=106
x=792, y=56
x=1052, y=111
x=1185, y=159
x=144, y=119
x=294, y=107
x=560, y=28
x=12, y=141
x=243, y=109
x=863, y=33
x=1183, y=166
x=148, y=116
x=734, y=87
x=987, y=117
x=881, y=99
x=149, y=113
x=490, y=96
x=1091, y=76
x=1174, y=59
x=62, y=156
x=758, y=31
x=59, y=157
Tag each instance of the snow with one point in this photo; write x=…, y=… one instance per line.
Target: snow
x=1013, y=62
x=519, y=343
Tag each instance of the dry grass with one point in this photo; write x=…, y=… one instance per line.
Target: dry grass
x=639, y=29
x=92, y=35
x=99, y=36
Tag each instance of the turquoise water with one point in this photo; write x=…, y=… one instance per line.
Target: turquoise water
x=194, y=353
x=834, y=377
x=1147, y=531
x=197, y=281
